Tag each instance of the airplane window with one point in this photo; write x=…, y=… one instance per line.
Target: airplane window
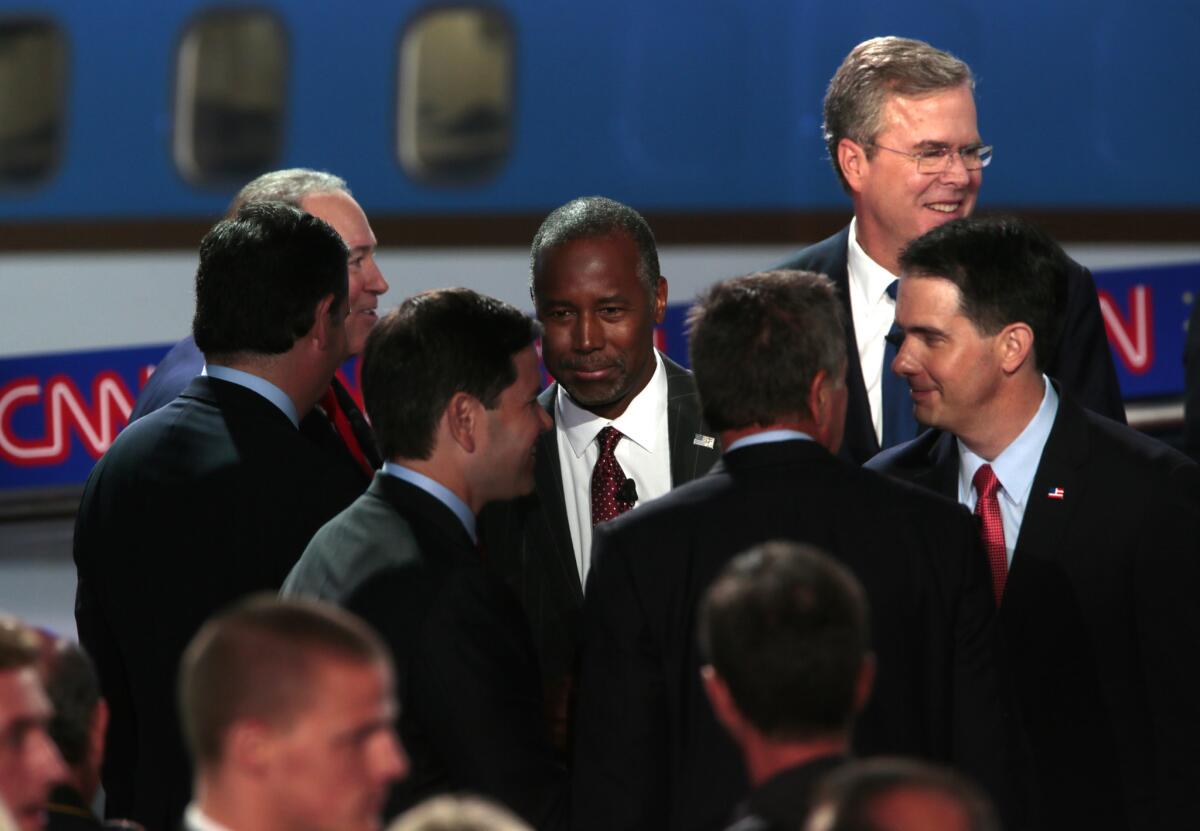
x=455, y=95
x=229, y=96
x=33, y=72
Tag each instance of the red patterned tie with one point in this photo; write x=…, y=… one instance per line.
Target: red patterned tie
x=991, y=526
x=607, y=479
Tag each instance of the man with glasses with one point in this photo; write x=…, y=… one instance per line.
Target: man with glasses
x=901, y=131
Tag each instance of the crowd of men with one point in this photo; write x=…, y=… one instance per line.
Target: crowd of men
x=887, y=557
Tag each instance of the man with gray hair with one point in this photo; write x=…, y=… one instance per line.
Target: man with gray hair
x=337, y=419
x=901, y=131
x=770, y=369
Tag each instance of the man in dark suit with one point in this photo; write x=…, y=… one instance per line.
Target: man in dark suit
x=1191, y=382
x=450, y=379
x=770, y=368
x=1092, y=529
x=289, y=709
x=784, y=629
x=215, y=495
x=901, y=131
x=336, y=421
x=597, y=290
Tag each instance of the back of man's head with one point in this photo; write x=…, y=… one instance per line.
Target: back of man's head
x=260, y=279
x=77, y=726
x=758, y=342
x=873, y=70
x=1006, y=271
x=258, y=662
x=785, y=628
x=589, y=217
x=891, y=794
x=432, y=346
x=288, y=186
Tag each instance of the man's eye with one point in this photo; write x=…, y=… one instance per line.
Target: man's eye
x=935, y=153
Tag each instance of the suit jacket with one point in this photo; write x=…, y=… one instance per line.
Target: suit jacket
x=529, y=541
x=1191, y=404
x=206, y=500
x=1100, y=619
x=1083, y=360
x=649, y=754
x=782, y=803
x=68, y=812
x=468, y=682
x=184, y=362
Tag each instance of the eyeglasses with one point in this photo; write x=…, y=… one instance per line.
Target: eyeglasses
x=939, y=159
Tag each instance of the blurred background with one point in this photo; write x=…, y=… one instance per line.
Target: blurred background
x=126, y=127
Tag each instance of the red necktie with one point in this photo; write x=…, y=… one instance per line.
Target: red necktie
x=607, y=479
x=337, y=417
x=991, y=526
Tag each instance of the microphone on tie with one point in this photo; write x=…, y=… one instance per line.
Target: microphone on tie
x=627, y=492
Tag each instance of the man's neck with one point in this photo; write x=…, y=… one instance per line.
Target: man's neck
x=728, y=437
x=1005, y=417
x=766, y=758
x=877, y=245
x=297, y=382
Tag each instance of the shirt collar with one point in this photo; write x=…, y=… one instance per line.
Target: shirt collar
x=197, y=820
x=258, y=384
x=767, y=437
x=870, y=279
x=639, y=423
x=438, y=491
x=1016, y=464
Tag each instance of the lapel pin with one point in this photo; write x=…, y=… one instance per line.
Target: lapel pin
x=704, y=441
x=1055, y=493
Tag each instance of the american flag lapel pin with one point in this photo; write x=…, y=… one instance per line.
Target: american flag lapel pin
x=1055, y=493
x=702, y=440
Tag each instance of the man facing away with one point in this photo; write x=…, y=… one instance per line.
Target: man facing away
x=215, y=495
x=336, y=417
x=627, y=423
x=288, y=708
x=784, y=628
x=901, y=131
x=30, y=764
x=1092, y=529
x=771, y=367
x=450, y=380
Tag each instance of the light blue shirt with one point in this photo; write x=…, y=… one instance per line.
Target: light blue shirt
x=438, y=491
x=1014, y=468
x=256, y=384
x=767, y=437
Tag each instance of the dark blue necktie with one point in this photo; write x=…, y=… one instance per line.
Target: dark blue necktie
x=898, y=423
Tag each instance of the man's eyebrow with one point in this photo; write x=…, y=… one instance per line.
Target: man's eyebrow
x=922, y=330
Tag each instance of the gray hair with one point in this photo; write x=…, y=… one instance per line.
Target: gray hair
x=873, y=70
x=589, y=217
x=287, y=186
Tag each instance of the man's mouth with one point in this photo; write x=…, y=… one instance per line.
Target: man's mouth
x=944, y=207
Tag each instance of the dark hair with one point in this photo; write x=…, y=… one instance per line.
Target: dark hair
x=258, y=660
x=589, y=217
x=785, y=626
x=73, y=688
x=427, y=349
x=847, y=797
x=1006, y=271
x=260, y=278
x=757, y=343
x=873, y=70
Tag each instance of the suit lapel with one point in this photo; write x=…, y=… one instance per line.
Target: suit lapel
x=688, y=459
x=547, y=474
x=941, y=476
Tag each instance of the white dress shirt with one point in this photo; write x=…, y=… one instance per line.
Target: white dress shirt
x=644, y=454
x=873, y=313
x=1015, y=468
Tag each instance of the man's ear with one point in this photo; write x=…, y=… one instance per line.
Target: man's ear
x=249, y=746
x=464, y=420
x=853, y=162
x=660, y=301
x=328, y=321
x=1015, y=343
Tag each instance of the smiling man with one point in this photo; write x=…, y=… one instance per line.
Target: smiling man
x=336, y=420
x=450, y=379
x=627, y=424
x=903, y=138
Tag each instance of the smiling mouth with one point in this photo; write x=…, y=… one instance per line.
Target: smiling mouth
x=944, y=207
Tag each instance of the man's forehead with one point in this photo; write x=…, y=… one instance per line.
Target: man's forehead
x=21, y=697
x=344, y=214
